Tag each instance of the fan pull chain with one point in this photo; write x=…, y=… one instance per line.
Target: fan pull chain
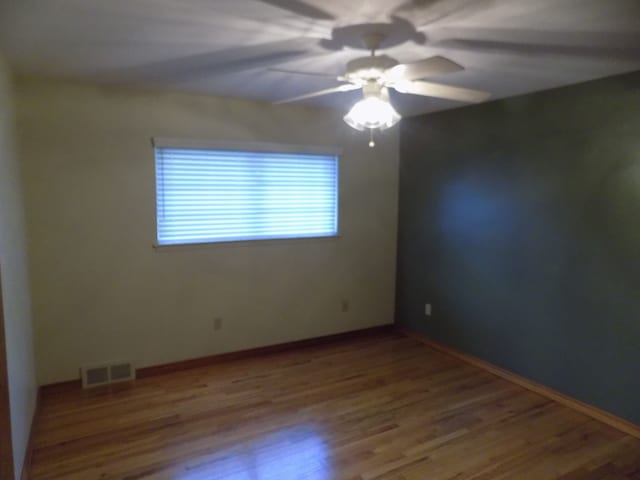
x=371, y=142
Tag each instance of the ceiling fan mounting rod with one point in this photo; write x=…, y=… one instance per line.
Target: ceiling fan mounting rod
x=373, y=40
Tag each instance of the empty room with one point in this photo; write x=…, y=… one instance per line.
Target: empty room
x=319, y=240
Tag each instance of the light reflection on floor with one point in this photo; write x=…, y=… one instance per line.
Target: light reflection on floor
x=297, y=453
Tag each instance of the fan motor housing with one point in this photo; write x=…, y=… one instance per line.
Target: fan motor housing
x=369, y=68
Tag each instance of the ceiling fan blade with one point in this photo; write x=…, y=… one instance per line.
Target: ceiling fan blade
x=301, y=8
x=220, y=62
x=347, y=87
x=439, y=90
x=428, y=67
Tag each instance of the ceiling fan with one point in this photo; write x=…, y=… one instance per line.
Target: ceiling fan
x=335, y=28
x=376, y=74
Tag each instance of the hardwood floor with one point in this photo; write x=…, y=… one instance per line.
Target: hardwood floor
x=381, y=407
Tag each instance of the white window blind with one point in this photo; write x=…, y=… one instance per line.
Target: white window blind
x=205, y=195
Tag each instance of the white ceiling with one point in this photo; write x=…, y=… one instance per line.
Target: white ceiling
x=228, y=47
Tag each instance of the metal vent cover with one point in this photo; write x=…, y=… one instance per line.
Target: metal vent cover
x=106, y=373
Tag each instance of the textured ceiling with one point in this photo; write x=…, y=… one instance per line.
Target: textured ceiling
x=246, y=48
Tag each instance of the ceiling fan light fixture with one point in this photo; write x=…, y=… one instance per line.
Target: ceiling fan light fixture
x=374, y=111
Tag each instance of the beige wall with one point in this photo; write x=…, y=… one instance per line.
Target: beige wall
x=15, y=283
x=100, y=290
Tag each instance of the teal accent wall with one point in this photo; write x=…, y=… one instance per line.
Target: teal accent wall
x=520, y=223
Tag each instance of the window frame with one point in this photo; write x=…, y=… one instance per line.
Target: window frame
x=250, y=147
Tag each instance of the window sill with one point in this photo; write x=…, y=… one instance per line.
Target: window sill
x=243, y=243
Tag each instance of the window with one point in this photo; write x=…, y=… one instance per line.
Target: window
x=222, y=194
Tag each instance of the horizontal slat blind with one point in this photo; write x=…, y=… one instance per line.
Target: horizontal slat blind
x=219, y=196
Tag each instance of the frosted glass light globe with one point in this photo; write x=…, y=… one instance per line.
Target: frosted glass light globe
x=373, y=113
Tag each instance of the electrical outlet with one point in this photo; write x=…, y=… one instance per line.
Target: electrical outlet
x=427, y=309
x=217, y=323
x=344, y=305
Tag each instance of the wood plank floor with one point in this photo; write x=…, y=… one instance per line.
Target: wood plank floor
x=380, y=407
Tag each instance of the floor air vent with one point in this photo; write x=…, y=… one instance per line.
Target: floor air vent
x=97, y=375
